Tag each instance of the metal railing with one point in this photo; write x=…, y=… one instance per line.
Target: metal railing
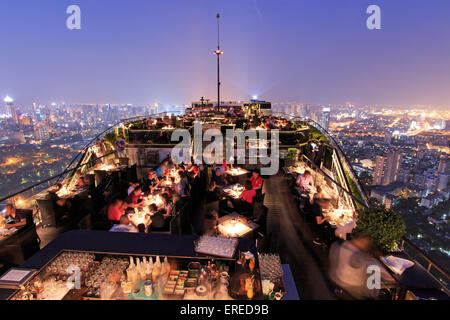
x=32, y=190
x=344, y=162
x=315, y=166
x=431, y=266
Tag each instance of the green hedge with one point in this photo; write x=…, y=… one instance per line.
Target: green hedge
x=385, y=227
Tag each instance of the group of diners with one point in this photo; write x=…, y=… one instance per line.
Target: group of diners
x=170, y=183
x=313, y=203
x=244, y=203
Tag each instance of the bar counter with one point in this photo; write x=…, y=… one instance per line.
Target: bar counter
x=121, y=243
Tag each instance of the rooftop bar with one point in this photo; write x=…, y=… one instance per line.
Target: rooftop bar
x=134, y=224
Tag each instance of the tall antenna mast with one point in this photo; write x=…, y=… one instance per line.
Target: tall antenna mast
x=218, y=52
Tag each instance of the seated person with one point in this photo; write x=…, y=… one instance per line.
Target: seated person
x=323, y=232
x=60, y=204
x=14, y=218
x=132, y=187
x=286, y=125
x=134, y=198
x=304, y=182
x=161, y=169
x=160, y=218
x=249, y=194
x=221, y=168
x=256, y=180
x=246, y=199
x=320, y=199
x=219, y=179
x=225, y=165
x=168, y=204
x=116, y=210
x=257, y=184
x=183, y=186
x=193, y=169
x=124, y=225
x=152, y=181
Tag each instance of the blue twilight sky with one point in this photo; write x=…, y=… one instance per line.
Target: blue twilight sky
x=140, y=51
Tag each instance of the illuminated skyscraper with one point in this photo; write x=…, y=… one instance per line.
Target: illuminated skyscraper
x=15, y=115
x=386, y=168
x=41, y=132
x=8, y=105
x=325, y=118
x=443, y=164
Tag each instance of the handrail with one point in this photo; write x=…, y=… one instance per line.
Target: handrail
x=335, y=182
x=53, y=177
x=336, y=145
x=82, y=152
x=429, y=260
x=89, y=144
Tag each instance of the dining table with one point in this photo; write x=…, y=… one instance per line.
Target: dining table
x=236, y=226
x=234, y=191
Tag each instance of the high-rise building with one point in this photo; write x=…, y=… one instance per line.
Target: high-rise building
x=387, y=168
x=8, y=105
x=442, y=182
x=15, y=115
x=325, y=118
x=387, y=137
x=380, y=164
x=304, y=111
x=41, y=132
x=443, y=164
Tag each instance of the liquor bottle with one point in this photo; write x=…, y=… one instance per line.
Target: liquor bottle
x=136, y=281
x=131, y=262
x=158, y=264
x=150, y=262
x=142, y=272
x=144, y=263
x=148, y=272
x=130, y=270
x=138, y=264
x=156, y=269
x=166, y=266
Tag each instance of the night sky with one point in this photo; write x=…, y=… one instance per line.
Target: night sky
x=141, y=51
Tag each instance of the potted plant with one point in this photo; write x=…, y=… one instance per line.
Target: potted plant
x=291, y=156
x=385, y=227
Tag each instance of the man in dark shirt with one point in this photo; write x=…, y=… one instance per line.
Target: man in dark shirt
x=14, y=218
x=219, y=179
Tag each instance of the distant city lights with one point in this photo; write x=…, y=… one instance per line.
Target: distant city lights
x=8, y=99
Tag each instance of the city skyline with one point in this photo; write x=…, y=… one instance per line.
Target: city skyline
x=135, y=52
